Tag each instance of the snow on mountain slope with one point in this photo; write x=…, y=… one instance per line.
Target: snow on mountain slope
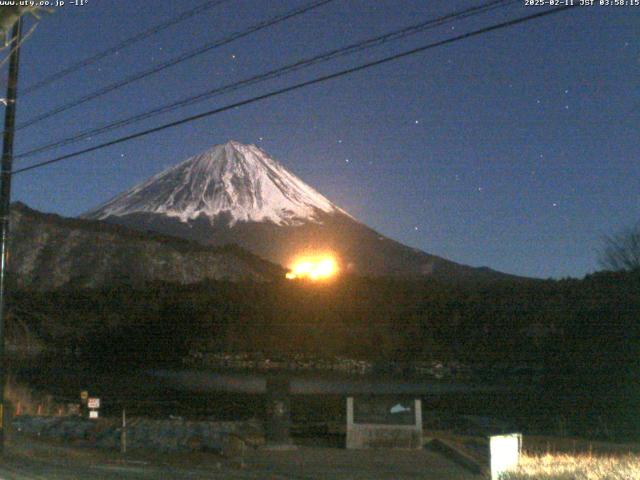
x=239, y=180
x=236, y=194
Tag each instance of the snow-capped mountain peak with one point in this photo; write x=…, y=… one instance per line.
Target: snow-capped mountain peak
x=238, y=180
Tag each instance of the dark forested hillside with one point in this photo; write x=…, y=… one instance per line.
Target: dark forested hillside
x=50, y=252
x=545, y=321
x=581, y=334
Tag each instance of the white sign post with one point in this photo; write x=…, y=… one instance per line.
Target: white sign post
x=504, y=451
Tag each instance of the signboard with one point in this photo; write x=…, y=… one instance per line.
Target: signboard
x=93, y=414
x=93, y=403
x=384, y=422
x=84, y=396
x=505, y=453
x=384, y=411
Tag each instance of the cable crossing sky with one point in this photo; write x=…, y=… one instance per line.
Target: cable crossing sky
x=54, y=77
x=272, y=74
x=174, y=61
x=318, y=80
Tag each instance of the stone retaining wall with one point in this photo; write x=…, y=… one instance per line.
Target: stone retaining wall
x=141, y=433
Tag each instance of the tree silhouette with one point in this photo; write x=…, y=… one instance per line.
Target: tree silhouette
x=9, y=15
x=621, y=251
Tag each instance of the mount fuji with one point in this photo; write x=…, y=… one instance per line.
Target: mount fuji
x=237, y=194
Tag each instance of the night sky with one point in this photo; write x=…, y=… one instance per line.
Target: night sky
x=518, y=149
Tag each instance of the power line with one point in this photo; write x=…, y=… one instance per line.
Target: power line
x=122, y=45
x=298, y=86
x=298, y=65
x=174, y=61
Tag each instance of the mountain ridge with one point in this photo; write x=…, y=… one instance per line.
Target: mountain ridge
x=241, y=180
x=50, y=252
x=235, y=193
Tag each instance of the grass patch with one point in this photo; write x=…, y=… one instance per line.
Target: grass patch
x=576, y=467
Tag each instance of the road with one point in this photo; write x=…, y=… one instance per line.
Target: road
x=28, y=459
x=210, y=381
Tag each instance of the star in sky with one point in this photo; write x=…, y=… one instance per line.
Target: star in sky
x=450, y=99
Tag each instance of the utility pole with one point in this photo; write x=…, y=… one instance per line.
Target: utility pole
x=5, y=199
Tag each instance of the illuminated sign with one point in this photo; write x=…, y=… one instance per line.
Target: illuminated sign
x=505, y=453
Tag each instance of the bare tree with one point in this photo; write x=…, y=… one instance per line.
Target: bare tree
x=9, y=15
x=621, y=251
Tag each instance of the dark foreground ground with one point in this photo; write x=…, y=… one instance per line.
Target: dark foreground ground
x=27, y=459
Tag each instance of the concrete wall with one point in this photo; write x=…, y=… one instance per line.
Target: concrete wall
x=383, y=435
x=142, y=433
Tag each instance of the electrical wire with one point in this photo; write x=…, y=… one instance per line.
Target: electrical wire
x=121, y=46
x=18, y=44
x=174, y=61
x=298, y=86
x=276, y=73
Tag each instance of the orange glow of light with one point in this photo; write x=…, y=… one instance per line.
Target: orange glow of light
x=313, y=268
